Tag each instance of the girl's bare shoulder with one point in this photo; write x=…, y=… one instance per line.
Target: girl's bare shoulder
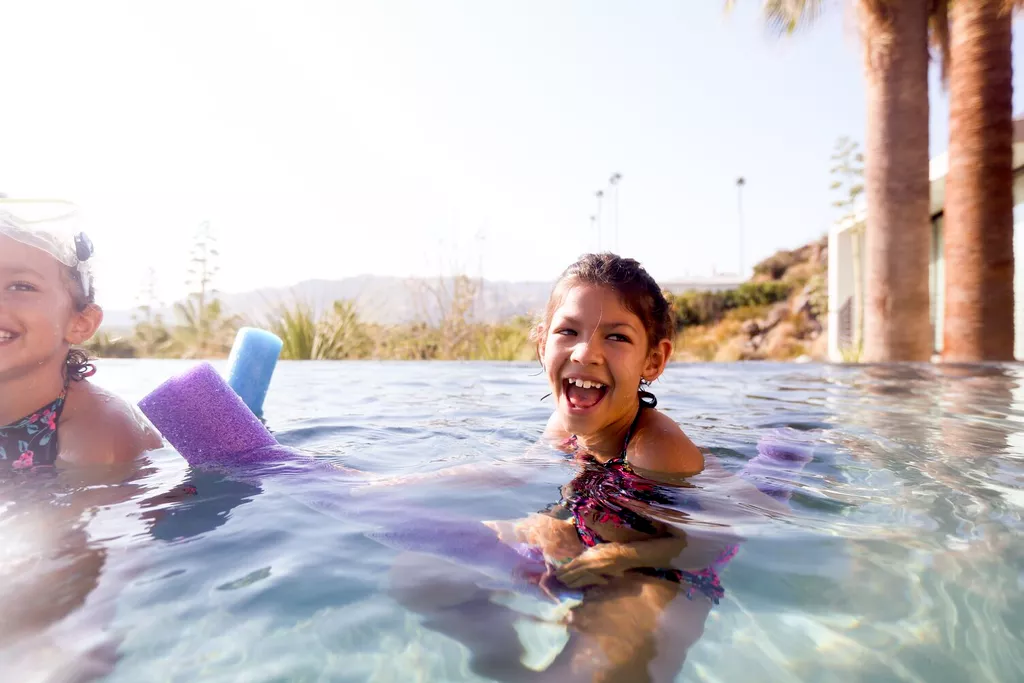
x=660, y=445
x=97, y=426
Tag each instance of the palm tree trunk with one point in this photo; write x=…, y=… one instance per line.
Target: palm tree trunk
x=898, y=233
x=979, y=187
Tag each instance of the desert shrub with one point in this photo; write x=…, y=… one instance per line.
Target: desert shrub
x=705, y=307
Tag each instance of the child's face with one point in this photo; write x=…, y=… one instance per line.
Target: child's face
x=38, y=319
x=593, y=338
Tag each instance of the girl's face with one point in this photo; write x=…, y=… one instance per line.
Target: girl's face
x=595, y=352
x=38, y=319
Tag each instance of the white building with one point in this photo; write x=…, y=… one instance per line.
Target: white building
x=846, y=271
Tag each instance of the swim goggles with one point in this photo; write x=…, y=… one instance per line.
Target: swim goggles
x=49, y=225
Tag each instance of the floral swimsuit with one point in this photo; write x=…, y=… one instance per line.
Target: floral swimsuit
x=605, y=491
x=31, y=442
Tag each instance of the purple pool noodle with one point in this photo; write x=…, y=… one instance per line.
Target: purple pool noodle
x=206, y=422
x=475, y=545
x=776, y=455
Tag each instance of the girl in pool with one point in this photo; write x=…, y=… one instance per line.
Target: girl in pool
x=647, y=586
x=52, y=419
x=50, y=414
x=605, y=336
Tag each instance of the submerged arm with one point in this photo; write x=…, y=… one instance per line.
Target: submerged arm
x=496, y=473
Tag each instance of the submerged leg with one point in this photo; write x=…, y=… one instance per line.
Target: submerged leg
x=636, y=629
x=451, y=601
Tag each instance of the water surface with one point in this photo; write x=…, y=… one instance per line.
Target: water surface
x=902, y=559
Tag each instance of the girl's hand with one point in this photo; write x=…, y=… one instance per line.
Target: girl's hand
x=556, y=538
x=596, y=565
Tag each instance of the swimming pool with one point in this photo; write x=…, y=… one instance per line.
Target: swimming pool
x=902, y=560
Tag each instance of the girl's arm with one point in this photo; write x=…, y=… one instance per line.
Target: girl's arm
x=497, y=473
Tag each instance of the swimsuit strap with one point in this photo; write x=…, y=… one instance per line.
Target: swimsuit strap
x=572, y=440
x=31, y=442
x=629, y=435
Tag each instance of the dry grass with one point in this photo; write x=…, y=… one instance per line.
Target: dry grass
x=746, y=313
x=702, y=342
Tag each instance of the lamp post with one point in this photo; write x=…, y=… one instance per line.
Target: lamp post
x=613, y=182
x=740, y=182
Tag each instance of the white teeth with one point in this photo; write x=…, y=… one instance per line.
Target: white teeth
x=6, y=335
x=585, y=384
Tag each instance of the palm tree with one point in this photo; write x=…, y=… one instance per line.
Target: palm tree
x=978, y=217
x=897, y=230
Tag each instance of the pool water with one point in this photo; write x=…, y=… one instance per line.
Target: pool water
x=901, y=558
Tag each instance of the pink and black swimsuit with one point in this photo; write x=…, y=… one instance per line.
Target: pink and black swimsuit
x=31, y=442
x=605, y=491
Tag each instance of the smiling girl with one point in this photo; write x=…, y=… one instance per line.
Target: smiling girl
x=50, y=414
x=648, y=580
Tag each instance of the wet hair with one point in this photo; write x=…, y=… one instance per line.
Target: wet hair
x=78, y=365
x=76, y=289
x=639, y=293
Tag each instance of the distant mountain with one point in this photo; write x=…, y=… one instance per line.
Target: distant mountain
x=394, y=300
x=378, y=299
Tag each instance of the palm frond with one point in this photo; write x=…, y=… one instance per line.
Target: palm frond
x=788, y=16
x=939, y=35
x=785, y=17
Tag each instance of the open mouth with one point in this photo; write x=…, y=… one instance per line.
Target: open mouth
x=7, y=337
x=583, y=394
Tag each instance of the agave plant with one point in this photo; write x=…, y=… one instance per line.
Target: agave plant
x=308, y=334
x=203, y=329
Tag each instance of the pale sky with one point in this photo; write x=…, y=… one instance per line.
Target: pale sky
x=329, y=139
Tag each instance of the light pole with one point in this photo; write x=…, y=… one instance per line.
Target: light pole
x=614, y=183
x=740, y=182
x=600, y=195
x=481, y=238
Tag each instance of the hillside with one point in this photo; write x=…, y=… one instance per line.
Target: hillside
x=385, y=300
x=378, y=300
x=778, y=315
x=791, y=328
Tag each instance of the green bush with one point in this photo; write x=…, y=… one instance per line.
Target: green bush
x=104, y=345
x=776, y=265
x=757, y=294
x=704, y=307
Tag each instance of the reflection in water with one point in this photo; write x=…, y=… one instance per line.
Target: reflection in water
x=199, y=505
x=59, y=585
x=935, y=442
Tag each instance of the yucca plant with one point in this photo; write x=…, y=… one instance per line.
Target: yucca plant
x=307, y=334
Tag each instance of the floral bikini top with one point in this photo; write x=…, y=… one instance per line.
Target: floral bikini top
x=31, y=442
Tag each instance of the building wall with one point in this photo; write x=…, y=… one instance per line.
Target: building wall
x=1018, y=267
x=937, y=283
x=841, y=310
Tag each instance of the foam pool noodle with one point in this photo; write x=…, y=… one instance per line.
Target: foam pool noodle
x=251, y=365
x=470, y=543
x=208, y=423
x=777, y=454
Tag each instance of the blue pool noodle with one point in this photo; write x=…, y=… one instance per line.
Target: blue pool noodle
x=251, y=365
